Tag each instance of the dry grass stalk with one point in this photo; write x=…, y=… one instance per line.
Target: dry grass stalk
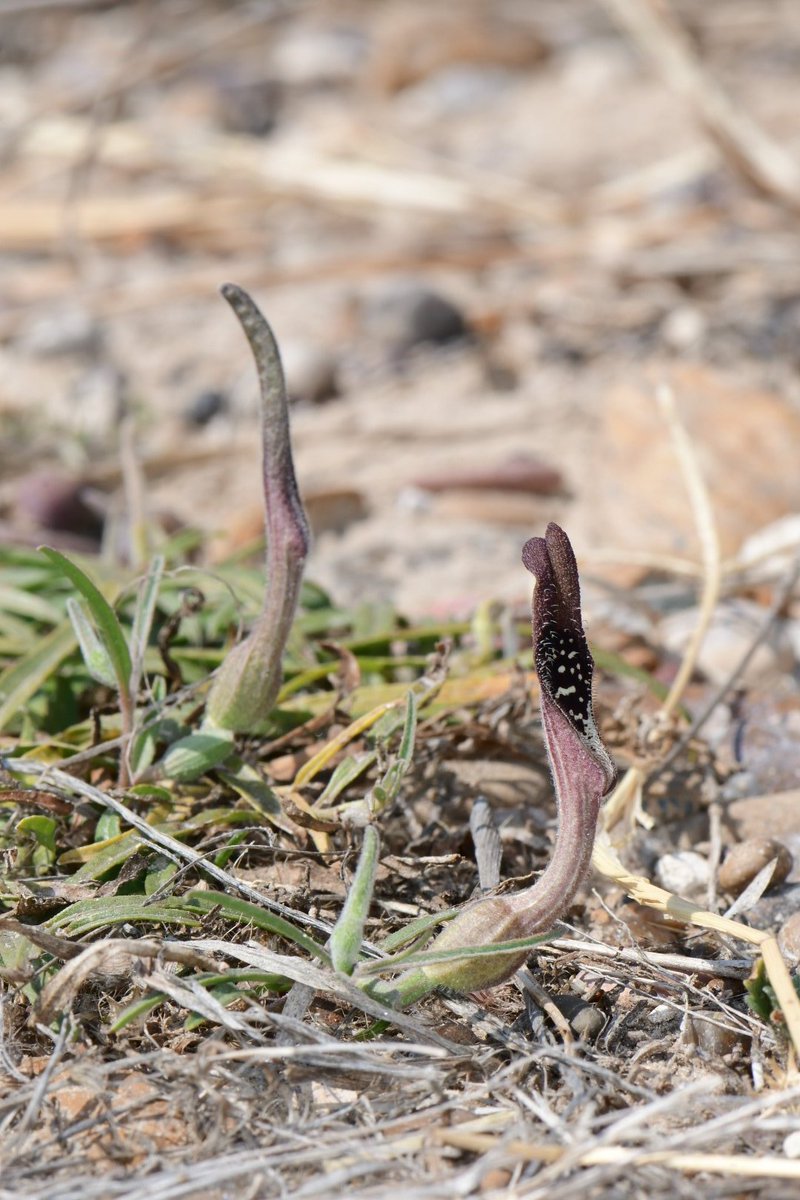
x=703, y=514
x=625, y=801
x=743, y=144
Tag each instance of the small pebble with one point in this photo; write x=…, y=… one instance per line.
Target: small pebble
x=249, y=106
x=588, y=1023
x=585, y=1020
x=713, y=1039
x=406, y=314
x=789, y=938
x=204, y=407
x=54, y=501
x=683, y=873
x=683, y=328
x=729, y=635
x=318, y=56
x=746, y=859
x=663, y=1015
x=791, y=1145
x=68, y=331
x=311, y=373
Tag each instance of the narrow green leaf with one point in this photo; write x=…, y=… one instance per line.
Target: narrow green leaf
x=143, y=619
x=427, y=958
x=251, y=914
x=197, y=753
x=28, y=604
x=386, y=790
x=87, y=915
x=345, y=773
x=415, y=929
x=102, y=613
x=143, y=751
x=264, y=980
x=95, y=656
x=137, y=1010
x=20, y=681
x=159, y=874
x=101, y=857
x=248, y=784
x=42, y=828
x=345, y=943
x=108, y=826
x=236, y=839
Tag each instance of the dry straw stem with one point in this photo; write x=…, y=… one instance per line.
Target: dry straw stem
x=608, y=863
x=626, y=798
x=625, y=801
x=703, y=513
x=751, y=1166
x=109, y=958
x=743, y=144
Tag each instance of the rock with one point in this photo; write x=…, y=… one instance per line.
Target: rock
x=774, y=815
x=663, y=1016
x=746, y=439
x=707, y=1031
x=770, y=550
x=51, y=500
x=789, y=938
x=744, y=861
x=774, y=909
x=585, y=1020
x=732, y=629
x=407, y=313
x=683, y=873
x=588, y=1023
x=67, y=331
x=684, y=328
x=204, y=407
x=791, y=1145
x=249, y=106
x=312, y=55
x=312, y=373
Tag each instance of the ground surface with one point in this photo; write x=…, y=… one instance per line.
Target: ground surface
x=485, y=235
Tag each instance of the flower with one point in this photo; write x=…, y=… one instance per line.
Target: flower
x=582, y=774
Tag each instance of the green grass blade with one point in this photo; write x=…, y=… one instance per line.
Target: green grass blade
x=28, y=604
x=143, y=619
x=102, y=613
x=415, y=929
x=85, y=916
x=194, y=755
x=345, y=943
x=95, y=655
x=251, y=914
x=385, y=791
x=428, y=957
x=19, y=681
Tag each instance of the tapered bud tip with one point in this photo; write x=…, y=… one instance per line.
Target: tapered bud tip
x=535, y=558
x=561, y=653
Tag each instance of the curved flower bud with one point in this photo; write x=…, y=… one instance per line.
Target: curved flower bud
x=249, y=679
x=582, y=773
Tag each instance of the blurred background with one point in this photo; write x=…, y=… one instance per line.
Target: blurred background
x=484, y=233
